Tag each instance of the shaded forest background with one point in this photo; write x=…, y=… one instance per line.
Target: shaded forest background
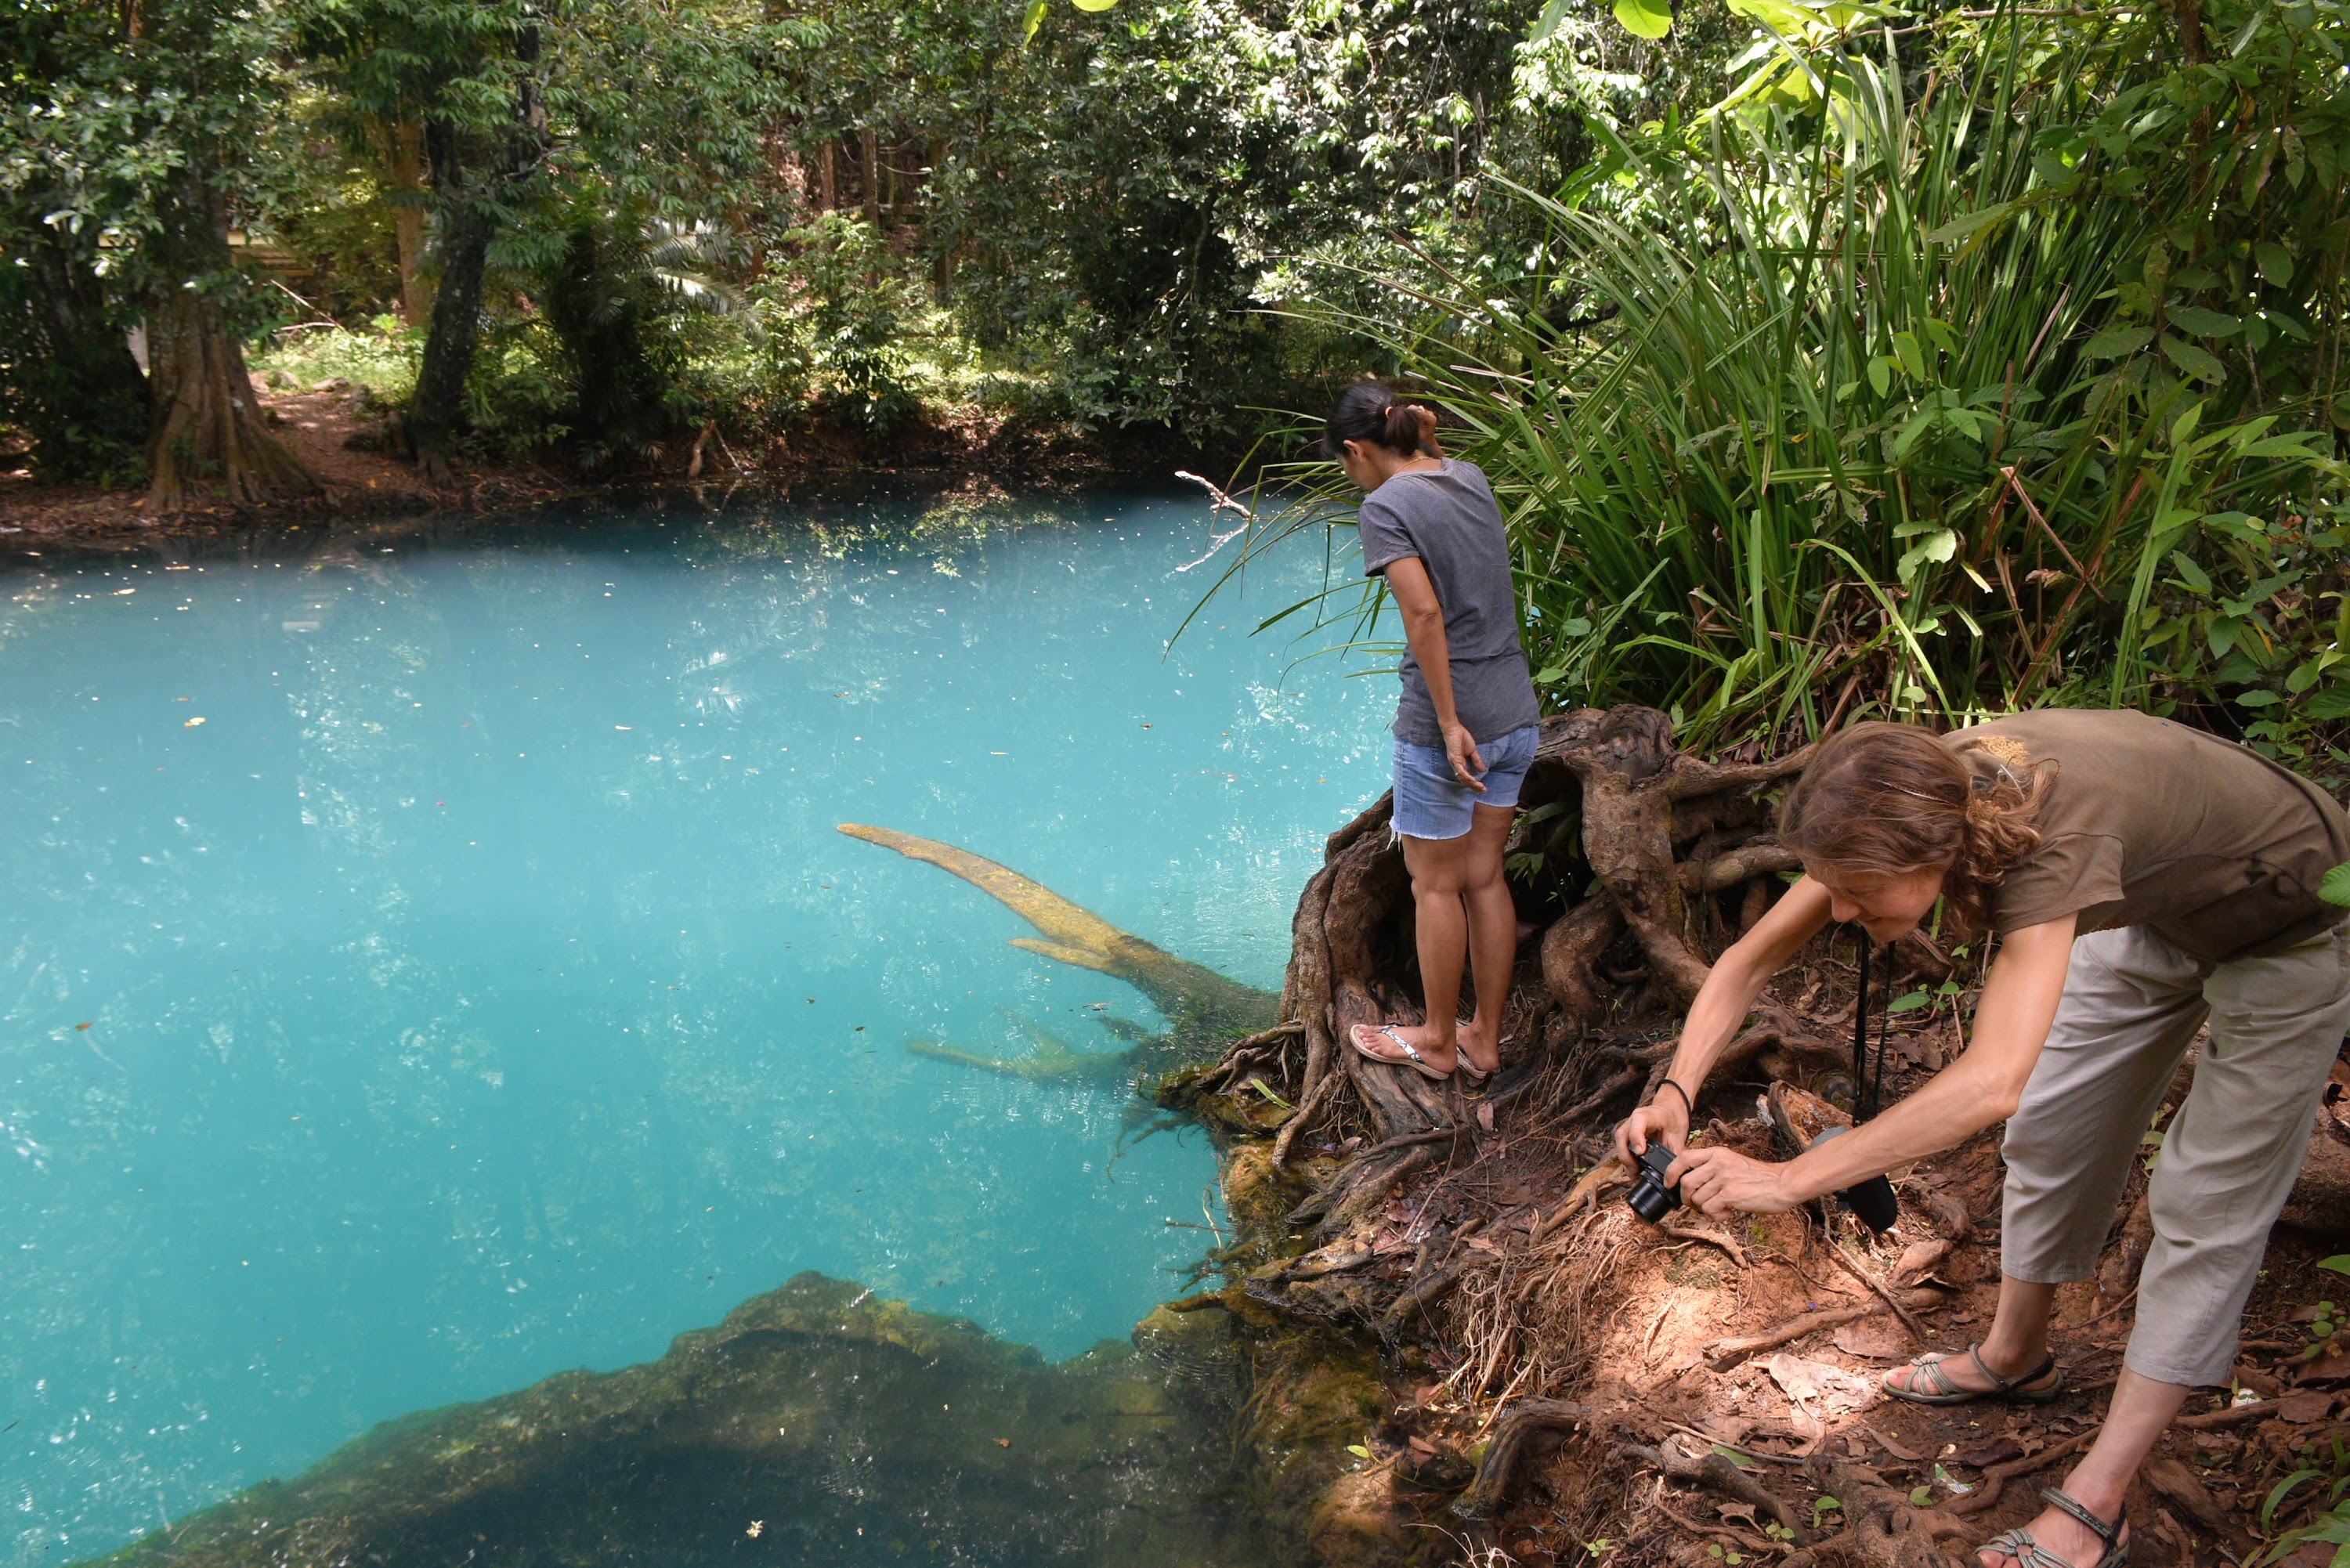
x=1830, y=358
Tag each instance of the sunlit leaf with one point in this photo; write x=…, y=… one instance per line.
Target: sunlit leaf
x=1645, y=18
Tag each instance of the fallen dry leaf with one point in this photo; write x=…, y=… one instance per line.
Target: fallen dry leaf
x=1891, y=1446
x=1003, y=1442
x=2301, y=1409
x=1832, y=1388
x=1878, y=1338
x=1998, y=1451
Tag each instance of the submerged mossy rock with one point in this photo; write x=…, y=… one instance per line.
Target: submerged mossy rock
x=815, y=1426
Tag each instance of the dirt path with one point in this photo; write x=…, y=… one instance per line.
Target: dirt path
x=320, y=426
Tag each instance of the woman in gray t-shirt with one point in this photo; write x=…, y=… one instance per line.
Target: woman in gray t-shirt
x=1465, y=727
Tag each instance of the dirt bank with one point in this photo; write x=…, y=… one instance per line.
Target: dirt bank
x=341, y=436
x=1558, y=1381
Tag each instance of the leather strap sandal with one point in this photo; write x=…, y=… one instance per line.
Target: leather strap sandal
x=1930, y=1385
x=2028, y=1552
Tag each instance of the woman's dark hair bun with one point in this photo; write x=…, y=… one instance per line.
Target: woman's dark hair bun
x=1375, y=413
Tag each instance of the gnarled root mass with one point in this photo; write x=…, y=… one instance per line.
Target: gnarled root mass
x=1558, y=1380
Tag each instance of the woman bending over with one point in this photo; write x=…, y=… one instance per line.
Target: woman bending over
x=1465, y=726
x=2144, y=879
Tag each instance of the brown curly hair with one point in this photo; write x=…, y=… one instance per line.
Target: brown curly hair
x=1886, y=800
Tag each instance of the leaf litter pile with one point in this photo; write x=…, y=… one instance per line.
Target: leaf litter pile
x=1559, y=1382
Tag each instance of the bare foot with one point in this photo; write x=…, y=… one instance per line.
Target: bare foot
x=1372, y=1039
x=1480, y=1048
x=1960, y=1368
x=2060, y=1535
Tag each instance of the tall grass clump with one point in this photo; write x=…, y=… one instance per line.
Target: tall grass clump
x=1946, y=369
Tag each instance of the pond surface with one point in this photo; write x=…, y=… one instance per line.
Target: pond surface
x=432, y=965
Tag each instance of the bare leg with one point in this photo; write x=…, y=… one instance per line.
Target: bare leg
x=2141, y=1409
x=1493, y=934
x=1439, y=873
x=2016, y=1344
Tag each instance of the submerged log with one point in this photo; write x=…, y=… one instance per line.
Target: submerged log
x=1201, y=1005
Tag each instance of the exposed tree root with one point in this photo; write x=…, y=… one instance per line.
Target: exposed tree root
x=1667, y=1387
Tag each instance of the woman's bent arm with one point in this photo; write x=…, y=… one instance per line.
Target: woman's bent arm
x=1983, y=1087
x=1722, y=1005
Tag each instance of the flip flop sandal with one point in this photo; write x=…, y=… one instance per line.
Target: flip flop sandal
x=1942, y=1388
x=2028, y=1552
x=1411, y=1058
x=1475, y=1076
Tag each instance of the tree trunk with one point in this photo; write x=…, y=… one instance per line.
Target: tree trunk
x=403, y=163
x=468, y=224
x=465, y=236
x=871, y=156
x=205, y=439
x=826, y=184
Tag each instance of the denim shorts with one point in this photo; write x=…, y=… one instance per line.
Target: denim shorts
x=1430, y=802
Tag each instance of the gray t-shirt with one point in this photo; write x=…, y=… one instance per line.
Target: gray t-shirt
x=1449, y=520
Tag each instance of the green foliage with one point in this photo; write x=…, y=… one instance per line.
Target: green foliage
x=2329, y=1469
x=859, y=307
x=381, y=356
x=1851, y=396
x=126, y=138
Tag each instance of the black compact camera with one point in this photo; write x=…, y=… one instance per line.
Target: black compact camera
x=1650, y=1199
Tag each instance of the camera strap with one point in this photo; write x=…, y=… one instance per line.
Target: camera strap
x=1868, y=1086
x=1871, y=1201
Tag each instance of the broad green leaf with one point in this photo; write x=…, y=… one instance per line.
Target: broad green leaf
x=2115, y=342
x=1880, y=374
x=1909, y=1004
x=2275, y=261
x=1645, y=18
x=2196, y=362
x=1036, y=20
x=2257, y=699
x=1739, y=1456
x=1912, y=358
x=2340, y=1262
x=2193, y=575
x=2203, y=323
x=2221, y=634
x=1547, y=23
x=1936, y=547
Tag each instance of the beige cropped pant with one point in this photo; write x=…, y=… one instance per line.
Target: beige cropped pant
x=2132, y=1004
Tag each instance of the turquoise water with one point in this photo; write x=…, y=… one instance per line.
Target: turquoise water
x=431, y=964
